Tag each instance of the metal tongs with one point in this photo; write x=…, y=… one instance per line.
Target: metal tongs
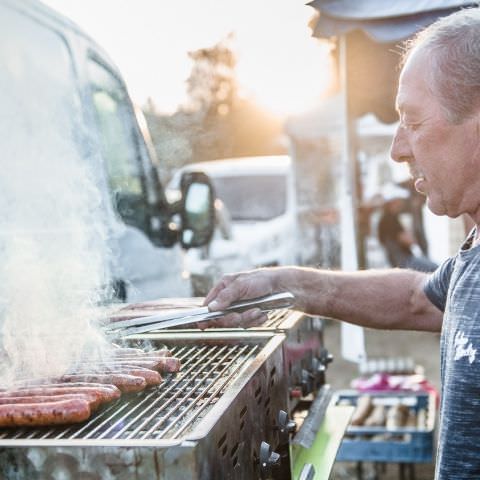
x=134, y=326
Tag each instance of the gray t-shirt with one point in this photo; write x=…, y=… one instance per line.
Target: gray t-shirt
x=455, y=289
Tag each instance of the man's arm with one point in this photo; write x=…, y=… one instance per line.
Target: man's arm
x=386, y=299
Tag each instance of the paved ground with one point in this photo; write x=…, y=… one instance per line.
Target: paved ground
x=422, y=347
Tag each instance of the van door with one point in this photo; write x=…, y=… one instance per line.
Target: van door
x=52, y=246
x=149, y=271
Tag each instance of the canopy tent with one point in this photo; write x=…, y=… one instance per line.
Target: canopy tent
x=382, y=21
x=373, y=31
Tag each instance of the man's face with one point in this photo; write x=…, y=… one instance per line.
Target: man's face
x=444, y=158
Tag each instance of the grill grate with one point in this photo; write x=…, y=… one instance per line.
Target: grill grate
x=276, y=318
x=163, y=412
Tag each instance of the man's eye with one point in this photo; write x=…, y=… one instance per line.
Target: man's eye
x=411, y=126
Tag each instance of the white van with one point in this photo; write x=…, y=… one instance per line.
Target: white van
x=74, y=154
x=259, y=196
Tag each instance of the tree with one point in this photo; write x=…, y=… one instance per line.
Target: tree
x=215, y=122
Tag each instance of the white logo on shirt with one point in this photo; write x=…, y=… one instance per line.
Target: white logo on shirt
x=462, y=349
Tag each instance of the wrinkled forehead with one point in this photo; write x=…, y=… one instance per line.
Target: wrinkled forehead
x=414, y=90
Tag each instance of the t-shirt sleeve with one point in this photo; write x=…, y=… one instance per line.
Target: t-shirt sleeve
x=436, y=286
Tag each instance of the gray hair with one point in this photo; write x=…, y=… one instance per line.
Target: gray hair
x=453, y=47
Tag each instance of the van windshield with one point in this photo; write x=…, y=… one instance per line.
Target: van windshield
x=253, y=197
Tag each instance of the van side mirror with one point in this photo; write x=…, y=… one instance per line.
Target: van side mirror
x=197, y=210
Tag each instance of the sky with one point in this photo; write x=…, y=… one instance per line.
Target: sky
x=279, y=64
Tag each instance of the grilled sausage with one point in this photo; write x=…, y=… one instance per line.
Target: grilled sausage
x=167, y=364
x=40, y=414
x=151, y=376
x=104, y=392
x=160, y=364
x=91, y=398
x=134, y=353
x=55, y=382
x=124, y=382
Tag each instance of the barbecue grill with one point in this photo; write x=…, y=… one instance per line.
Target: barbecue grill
x=304, y=350
x=305, y=354
x=208, y=421
x=226, y=415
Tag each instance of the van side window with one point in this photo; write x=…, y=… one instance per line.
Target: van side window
x=119, y=146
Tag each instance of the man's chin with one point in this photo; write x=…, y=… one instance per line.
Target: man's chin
x=435, y=207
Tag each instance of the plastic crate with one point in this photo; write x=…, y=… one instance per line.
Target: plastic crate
x=395, y=445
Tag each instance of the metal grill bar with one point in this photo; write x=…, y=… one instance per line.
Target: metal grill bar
x=25, y=433
x=151, y=405
x=146, y=400
x=212, y=395
x=114, y=409
x=166, y=411
x=197, y=399
x=275, y=318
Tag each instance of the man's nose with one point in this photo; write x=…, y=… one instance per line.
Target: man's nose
x=400, y=149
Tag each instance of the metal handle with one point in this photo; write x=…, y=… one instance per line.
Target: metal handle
x=265, y=303
x=154, y=322
x=312, y=423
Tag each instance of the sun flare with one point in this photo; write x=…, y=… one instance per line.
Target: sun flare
x=280, y=65
x=288, y=84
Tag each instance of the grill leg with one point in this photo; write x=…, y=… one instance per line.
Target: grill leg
x=359, y=471
x=411, y=468
x=405, y=468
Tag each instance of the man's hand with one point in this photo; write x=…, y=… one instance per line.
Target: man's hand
x=240, y=286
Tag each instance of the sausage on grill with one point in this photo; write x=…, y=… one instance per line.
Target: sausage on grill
x=160, y=364
x=124, y=382
x=167, y=364
x=153, y=353
x=151, y=376
x=91, y=398
x=105, y=393
x=40, y=414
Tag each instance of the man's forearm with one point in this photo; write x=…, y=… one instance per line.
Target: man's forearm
x=387, y=299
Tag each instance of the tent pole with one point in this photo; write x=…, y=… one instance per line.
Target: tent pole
x=348, y=189
x=352, y=338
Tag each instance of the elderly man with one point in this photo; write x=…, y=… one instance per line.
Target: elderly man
x=438, y=102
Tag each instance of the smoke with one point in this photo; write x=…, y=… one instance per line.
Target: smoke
x=53, y=237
